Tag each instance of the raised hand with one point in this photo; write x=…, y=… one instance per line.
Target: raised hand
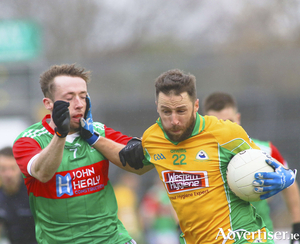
x=87, y=131
x=61, y=118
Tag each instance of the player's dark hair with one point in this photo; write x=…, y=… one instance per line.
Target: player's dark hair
x=217, y=101
x=47, y=78
x=6, y=151
x=176, y=81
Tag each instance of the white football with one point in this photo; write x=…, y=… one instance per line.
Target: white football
x=241, y=170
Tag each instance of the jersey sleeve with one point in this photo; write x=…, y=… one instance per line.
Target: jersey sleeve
x=24, y=149
x=233, y=137
x=276, y=154
x=116, y=136
x=150, y=131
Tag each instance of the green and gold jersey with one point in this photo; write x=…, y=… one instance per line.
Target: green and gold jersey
x=194, y=174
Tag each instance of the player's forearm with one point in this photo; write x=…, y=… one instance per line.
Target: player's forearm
x=110, y=149
x=46, y=164
x=292, y=199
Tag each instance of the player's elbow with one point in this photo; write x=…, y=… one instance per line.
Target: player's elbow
x=40, y=172
x=43, y=177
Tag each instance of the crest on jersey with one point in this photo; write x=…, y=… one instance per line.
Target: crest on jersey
x=201, y=155
x=64, y=185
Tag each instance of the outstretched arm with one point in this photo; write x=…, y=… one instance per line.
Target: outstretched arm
x=109, y=148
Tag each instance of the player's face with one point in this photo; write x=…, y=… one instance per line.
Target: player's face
x=10, y=174
x=74, y=91
x=178, y=115
x=228, y=113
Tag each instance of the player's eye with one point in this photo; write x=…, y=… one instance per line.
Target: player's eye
x=166, y=112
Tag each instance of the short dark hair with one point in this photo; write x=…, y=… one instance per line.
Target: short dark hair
x=217, y=101
x=176, y=81
x=6, y=151
x=47, y=78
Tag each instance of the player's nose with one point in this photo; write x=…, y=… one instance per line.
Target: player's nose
x=79, y=103
x=174, y=119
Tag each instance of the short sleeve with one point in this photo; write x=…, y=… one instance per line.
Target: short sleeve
x=24, y=149
x=277, y=155
x=116, y=136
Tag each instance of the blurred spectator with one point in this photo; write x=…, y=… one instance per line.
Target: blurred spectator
x=159, y=217
x=126, y=194
x=15, y=214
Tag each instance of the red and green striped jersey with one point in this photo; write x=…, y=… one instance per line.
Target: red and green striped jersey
x=78, y=204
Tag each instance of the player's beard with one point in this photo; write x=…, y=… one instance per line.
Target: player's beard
x=187, y=133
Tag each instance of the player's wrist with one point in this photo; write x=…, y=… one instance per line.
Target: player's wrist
x=93, y=139
x=59, y=133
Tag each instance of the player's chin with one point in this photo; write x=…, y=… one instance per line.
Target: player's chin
x=74, y=127
x=175, y=137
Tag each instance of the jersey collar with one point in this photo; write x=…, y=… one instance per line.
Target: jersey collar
x=46, y=124
x=47, y=118
x=198, y=128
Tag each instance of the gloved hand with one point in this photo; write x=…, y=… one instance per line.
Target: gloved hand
x=133, y=154
x=273, y=182
x=61, y=118
x=295, y=230
x=87, y=128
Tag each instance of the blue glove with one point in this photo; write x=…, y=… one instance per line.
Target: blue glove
x=273, y=182
x=87, y=128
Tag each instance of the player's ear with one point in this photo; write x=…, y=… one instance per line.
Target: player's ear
x=196, y=105
x=238, y=118
x=48, y=103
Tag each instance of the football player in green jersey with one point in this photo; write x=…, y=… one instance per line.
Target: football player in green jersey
x=224, y=106
x=65, y=166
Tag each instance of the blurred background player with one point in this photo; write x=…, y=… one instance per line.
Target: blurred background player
x=159, y=219
x=126, y=191
x=15, y=215
x=223, y=106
